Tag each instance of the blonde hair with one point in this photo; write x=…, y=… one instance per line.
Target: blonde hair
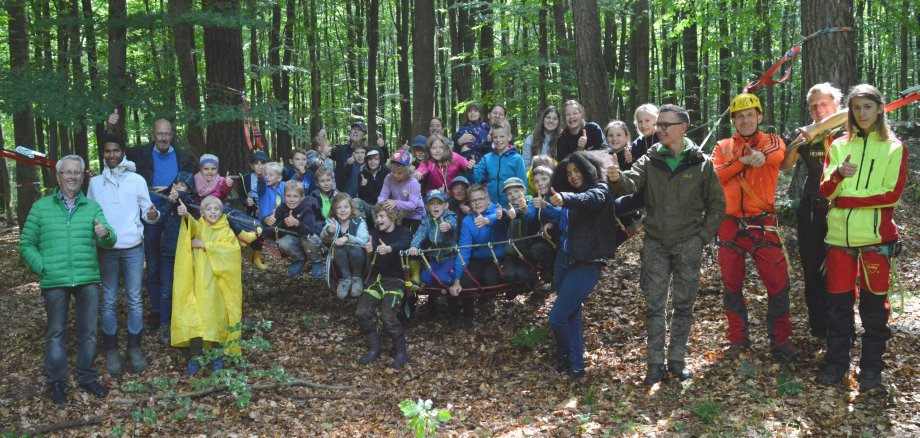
x=648, y=108
x=542, y=161
x=211, y=199
x=344, y=197
x=273, y=167
x=542, y=170
x=395, y=215
x=501, y=124
x=296, y=188
x=477, y=188
x=448, y=155
x=321, y=172
x=824, y=88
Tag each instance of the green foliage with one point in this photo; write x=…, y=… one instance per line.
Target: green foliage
x=530, y=337
x=707, y=410
x=134, y=386
x=423, y=419
x=786, y=385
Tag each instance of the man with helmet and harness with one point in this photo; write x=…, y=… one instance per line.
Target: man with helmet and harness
x=747, y=164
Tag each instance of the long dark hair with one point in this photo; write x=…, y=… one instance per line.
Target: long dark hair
x=539, y=134
x=591, y=164
x=880, y=126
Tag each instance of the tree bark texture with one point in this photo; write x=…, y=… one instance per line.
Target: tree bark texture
x=184, y=44
x=223, y=54
x=423, y=66
x=593, y=88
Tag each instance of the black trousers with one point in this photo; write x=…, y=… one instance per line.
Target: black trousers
x=812, y=229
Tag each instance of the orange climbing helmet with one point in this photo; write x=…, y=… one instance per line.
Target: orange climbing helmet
x=744, y=101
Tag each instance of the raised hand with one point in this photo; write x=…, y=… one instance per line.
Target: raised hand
x=481, y=221
x=113, y=118
x=271, y=220
x=383, y=248
x=198, y=244
x=539, y=202
x=512, y=213
x=583, y=140
x=499, y=212
x=181, y=210
x=389, y=204
x=173, y=195
x=555, y=198
x=363, y=181
x=442, y=226
x=100, y=230
x=152, y=213
x=228, y=181
x=471, y=163
x=627, y=155
x=290, y=220
x=613, y=172
x=846, y=169
x=369, y=247
x=250, y=202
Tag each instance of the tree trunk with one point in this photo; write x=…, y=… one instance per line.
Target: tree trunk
x=223, y=55
x=184, y=44
x=830, y=57
x=80, y=139
x=402, y=69
x=28, y=187
x=486, y=49
x=692, y=96
x=563, y=47
x=905, y=112
x=593, y=87
x=373, y=42
x=118, y=56
x=423, y=66
x=316, y=90
x=543, y=50
x=725, y=84
x=6, y=195
x=462, y=41
x=640, y=37
x=63, y=66
x=92, y=59
x=280, y=58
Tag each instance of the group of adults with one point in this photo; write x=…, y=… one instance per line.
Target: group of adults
x=845, y=224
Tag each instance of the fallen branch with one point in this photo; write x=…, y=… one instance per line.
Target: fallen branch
x=222, y=388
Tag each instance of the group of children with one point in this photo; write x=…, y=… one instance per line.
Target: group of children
x=463, y=215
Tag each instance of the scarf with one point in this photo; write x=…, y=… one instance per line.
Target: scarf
x=205, y=187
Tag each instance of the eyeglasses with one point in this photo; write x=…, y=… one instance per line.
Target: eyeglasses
x=70, y=174
x=478, y=200
x=665, y=125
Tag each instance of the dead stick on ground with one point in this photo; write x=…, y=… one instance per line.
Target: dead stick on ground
x=258, y=387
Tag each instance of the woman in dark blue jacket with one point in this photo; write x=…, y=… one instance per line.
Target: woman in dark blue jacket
x=582, y=204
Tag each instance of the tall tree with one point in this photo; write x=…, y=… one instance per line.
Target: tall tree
x=316, y=86
x=462, y=41
x=373, y=44
x=691, y=68
x=6, y=195
x=543, y=50
x=223, y=56
x=830, y=57
x=92, y=58
x=423, y=66
x=640, y=51
x=27, y=185
x=402, y=68
x=118, y=58
x=486, y=46
x=184, y=44
x=593, y=88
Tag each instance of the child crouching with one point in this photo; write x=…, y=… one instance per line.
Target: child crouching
x=295, y=216
x=386, y=288
x=346, y=233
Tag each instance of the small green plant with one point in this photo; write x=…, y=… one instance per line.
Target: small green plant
x=117, y=431
x=706, y=410
x=531, y=336
x=423, y=419
x=589, y=401
x=134, y=386
x=147, y=416
x=786, y=385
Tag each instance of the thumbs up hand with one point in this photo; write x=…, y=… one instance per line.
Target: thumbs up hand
x=290, y=220
x=101, y=231
x=846, y=169
x=512, y=213
x=555, y=198
x=270, y=220
x=583, y=140
x=613, y=172
x=363, y=181
x=113, y=118
x=152, y=213
x=499, y=212
x=228, y=181
x=383, y=248
x=443, y=226
x=539, y=202
x=481, y=221
x=181, y=210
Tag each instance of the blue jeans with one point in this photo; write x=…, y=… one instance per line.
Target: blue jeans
x=167, y=267
x=444, y=270
x=574, y=282
x=152, y=236
x=57, y=306
x=112, y=264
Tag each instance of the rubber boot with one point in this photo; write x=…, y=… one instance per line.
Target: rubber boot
x=373, y=348
x=400, y=355
x=112, y=356
x=415, y=271
x=247, y=237
x=256, y=257
x=135, y=355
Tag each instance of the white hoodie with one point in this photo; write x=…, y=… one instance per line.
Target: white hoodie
x=124, y=198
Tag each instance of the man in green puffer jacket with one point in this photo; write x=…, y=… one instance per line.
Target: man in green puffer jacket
x=58, y=242
x=684, y=204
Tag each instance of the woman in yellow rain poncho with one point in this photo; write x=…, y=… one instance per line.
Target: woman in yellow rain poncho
x=207, y=286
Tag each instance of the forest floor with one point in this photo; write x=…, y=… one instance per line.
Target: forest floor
x=490, y=385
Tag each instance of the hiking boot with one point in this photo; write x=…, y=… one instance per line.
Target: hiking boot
x=295, y=268
x=562, y=363
x=373, y=348
x=466, y=323
x=679, y=370
x=58, y=392
x=357, y=286
x=316, y=270
x=217, y=364
x=165, y=334
x=400, y=355
x=112, y=355
x=736, y=348
x=256, y=257
x=786, y=352
x=343, y=289
x=577, y=374
x=655, y=374
x=871, y=380
x=831, y=375
x=135, y=355
x=192, y=368
x=247, y=237
x=95, y=388
x=153, y=321
x=454, y=322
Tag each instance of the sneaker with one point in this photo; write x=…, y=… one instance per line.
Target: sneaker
x=679, y=370
x=217, y=364
x=655, y=374
x=343, y=289
x=192, y=368
x=58, y=391
x=357, y=286
x=165, y=335
x=736, y=348
x=296, y=267
x=871, y=381
x=786, y=352
x=316, y=270
x=831, y=375
x=95, y=388
x=466, y=323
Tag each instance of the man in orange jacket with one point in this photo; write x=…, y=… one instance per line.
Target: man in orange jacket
x=748, y=167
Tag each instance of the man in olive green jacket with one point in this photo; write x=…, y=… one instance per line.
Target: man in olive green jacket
x=58, y=242
x=684, y=204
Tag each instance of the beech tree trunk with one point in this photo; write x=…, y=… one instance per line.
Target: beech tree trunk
x=316, y=90
x=830, y=57
x=486, y=48
x=593, y=87
x=640, y=66
x=423, y=66
x=402, y=69
x=28, y=187
x=373, y=43
x=223, y=55
x=184, y=44
x=691, y=73
x=118, y=55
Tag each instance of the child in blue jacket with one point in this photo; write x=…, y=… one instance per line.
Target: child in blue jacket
x=438, y=232
x=470, y=140
x=502, y=163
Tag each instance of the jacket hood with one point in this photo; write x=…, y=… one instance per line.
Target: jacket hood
x=115, y=174
x=691, y=149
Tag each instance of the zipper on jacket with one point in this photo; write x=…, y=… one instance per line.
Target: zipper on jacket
x=862, y=159
x=875, y=221
x=846, y=226
x=869, y=176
